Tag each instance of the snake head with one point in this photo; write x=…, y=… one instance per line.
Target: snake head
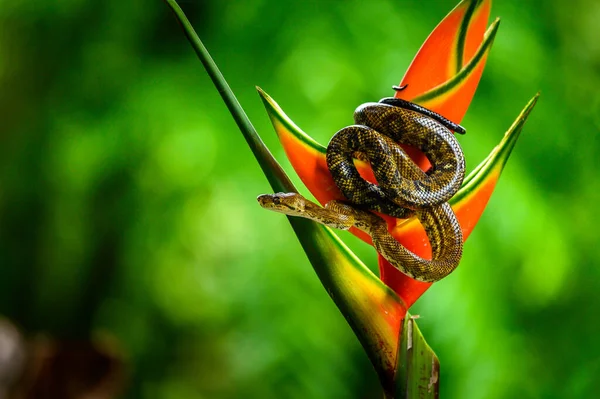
x=292, y=204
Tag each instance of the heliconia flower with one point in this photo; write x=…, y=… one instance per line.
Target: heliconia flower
x=443, y=77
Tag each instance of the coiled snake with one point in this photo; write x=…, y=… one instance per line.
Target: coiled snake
x=402, y=189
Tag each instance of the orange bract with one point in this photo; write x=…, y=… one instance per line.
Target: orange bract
x=443, y=77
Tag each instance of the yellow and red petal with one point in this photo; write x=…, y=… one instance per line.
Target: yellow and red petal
x=468, y=204
x=453, y=97
x=446, y=81
x=431, y=79
x=452, y=45
x=307, y=157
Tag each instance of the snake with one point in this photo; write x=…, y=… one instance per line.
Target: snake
x=402, y=190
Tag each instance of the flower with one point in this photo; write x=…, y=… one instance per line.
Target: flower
x=442, y=77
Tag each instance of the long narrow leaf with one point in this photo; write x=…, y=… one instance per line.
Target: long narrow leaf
x=374, y=312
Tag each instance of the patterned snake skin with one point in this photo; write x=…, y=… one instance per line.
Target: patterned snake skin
x=402, y=189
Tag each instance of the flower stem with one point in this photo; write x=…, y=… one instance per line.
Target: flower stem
x=371, y=308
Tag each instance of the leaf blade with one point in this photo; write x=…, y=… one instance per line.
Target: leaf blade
x=373, y=310
x=418, y=372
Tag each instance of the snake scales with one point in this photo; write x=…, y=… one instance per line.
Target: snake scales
x=403, y=189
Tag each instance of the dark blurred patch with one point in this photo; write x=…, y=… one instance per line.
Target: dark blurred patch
x=71, y=370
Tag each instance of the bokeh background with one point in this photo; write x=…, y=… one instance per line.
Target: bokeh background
x=130, y=234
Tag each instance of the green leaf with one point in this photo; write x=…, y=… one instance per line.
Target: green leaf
x=418, y=373
x=374, y=312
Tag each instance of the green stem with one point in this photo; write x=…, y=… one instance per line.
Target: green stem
x=357, y=292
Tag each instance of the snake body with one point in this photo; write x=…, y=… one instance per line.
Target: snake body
x=402, y=186
x=403, y=189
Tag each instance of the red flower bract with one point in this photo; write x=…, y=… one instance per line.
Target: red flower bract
x=443, y=77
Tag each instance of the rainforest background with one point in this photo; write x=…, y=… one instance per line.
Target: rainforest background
x=128, y=212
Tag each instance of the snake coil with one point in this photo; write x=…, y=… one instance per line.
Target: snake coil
x=402, y=188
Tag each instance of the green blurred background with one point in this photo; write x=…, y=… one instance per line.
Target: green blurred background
x=127, y=195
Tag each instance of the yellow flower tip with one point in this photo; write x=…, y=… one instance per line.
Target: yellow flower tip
x=510, y=138
x=263, y=94
x=490, y=33
x=520, y=121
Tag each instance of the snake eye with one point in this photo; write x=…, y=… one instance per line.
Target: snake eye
x=276, y=200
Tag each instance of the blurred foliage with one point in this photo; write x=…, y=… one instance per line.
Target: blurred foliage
x=127, y=195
